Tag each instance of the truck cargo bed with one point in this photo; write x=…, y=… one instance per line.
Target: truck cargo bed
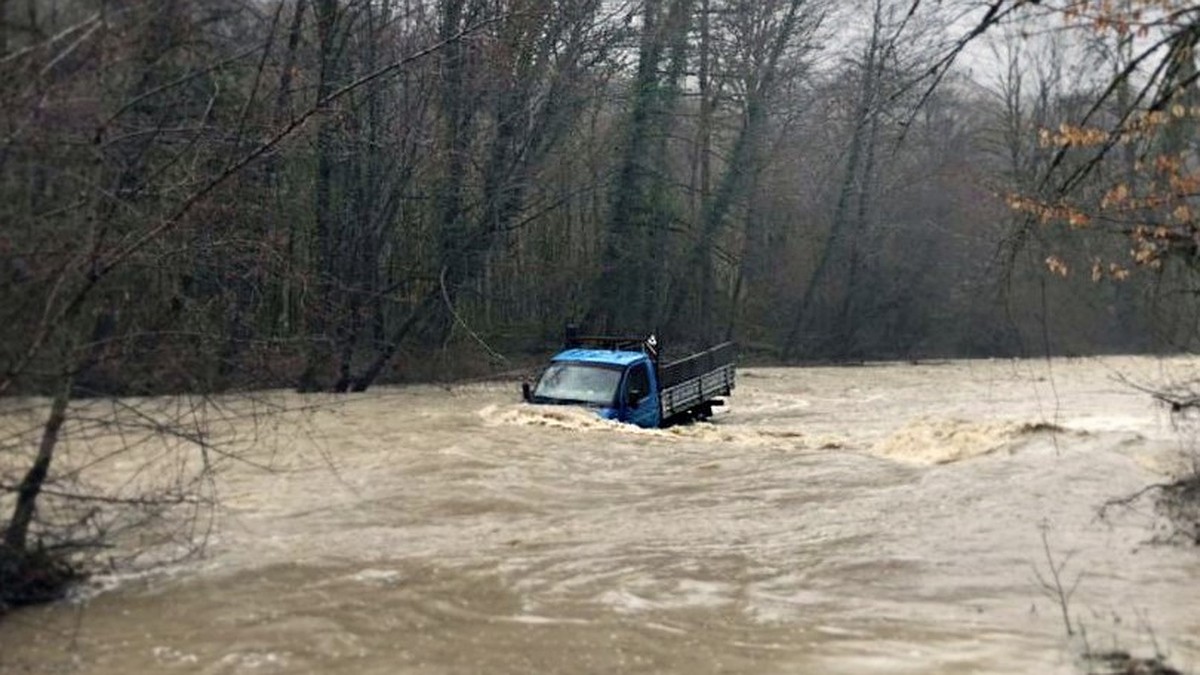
x=697, y=379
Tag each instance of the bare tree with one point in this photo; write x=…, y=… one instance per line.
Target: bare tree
x=101, y=288
x=770, y=42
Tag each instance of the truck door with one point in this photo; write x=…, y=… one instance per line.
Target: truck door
x=639, y=402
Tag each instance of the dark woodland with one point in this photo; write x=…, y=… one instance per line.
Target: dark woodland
x=326, y=194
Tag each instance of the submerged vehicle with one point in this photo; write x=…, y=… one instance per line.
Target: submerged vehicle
x=622, y=379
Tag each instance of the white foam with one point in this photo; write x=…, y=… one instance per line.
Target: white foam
x=535, y=620
x=254, y=660
x=568, y=418
x=373, y=576
x=172, y=656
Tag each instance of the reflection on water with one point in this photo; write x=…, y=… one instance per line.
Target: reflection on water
x=876, y=519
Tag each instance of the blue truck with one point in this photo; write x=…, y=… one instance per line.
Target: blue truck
x=621, y=379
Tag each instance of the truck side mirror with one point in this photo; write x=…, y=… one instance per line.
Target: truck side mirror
x=526, y=392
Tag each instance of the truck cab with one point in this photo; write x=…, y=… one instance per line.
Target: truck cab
x=619, y=385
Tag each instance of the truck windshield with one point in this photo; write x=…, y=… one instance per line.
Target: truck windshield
x=578, y=383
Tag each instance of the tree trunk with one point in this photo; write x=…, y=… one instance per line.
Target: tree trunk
x=735, y=184
x=17, y=533
x=844, y=334
x=322, y=310
x=3, y=27
x=620, y=295
x=375, y=368
x=838, y=244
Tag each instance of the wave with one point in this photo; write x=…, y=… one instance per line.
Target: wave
x=943, y=441
x=581, y=420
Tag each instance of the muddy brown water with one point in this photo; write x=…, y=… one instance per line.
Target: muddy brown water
x=881, y=519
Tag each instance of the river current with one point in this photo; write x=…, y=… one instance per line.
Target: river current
x=892, y=518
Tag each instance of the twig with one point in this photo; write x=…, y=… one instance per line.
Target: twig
x=1177, y=402
x=1055, y=590
x=172, y=500
x=93, y=19
x=1129, y=499
x=459, y=319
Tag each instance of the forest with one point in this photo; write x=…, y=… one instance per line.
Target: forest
x=324, y=194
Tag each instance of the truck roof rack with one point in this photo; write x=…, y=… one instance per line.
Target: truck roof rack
x=573, y=340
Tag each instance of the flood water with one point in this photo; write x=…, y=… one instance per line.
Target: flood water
x=876, y=519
